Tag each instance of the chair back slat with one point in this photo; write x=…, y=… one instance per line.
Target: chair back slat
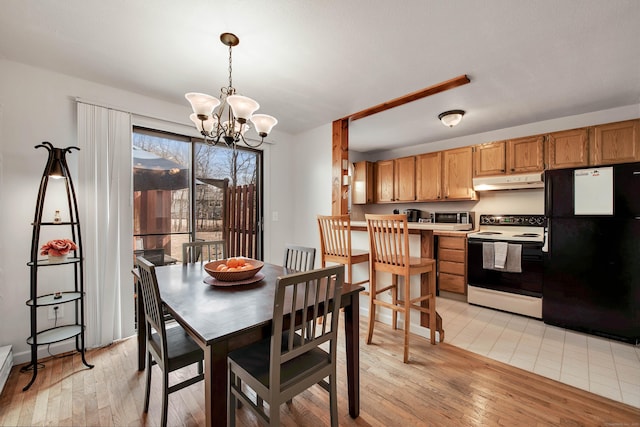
x=389, y=239
x=299, y=258
x=203, y=250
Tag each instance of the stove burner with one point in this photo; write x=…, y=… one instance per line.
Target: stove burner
x=488, y=233
x=526, y=235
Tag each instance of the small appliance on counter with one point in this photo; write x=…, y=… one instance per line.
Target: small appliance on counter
x=452, y=217
x=413, y=215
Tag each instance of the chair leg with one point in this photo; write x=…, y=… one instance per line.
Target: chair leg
x=274, y=415
x=407, y=317
x=394, y=300
x=433, y=315
x=231, y=401
x=165, y=397
x=148, y=386
x=333, y=400
x=372, y=305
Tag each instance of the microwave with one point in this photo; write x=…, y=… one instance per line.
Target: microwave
x=452, y=217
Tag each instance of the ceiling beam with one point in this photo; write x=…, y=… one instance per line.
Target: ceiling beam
x=410, y=97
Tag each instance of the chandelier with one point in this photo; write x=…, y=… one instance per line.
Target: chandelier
x=230, y=121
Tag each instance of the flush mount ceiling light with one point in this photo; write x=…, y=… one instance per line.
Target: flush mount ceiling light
x=451, y=118
x=230, y=121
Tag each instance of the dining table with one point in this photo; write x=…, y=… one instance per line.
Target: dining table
x=221, y=319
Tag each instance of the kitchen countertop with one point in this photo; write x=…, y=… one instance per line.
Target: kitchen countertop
x=424, y=226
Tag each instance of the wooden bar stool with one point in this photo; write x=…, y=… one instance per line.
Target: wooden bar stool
x=335, y=245
x=389, y=248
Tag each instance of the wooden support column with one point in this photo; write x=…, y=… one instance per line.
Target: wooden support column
x=340, y=154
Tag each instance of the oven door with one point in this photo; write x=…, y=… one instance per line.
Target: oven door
x=529, y=282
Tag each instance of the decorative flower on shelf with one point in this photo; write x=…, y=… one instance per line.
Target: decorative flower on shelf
x=58, y=247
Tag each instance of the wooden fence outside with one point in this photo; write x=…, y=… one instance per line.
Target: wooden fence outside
x=241, y=225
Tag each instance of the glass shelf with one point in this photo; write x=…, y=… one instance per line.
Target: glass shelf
x=45, y=262
x=49, y=299
x=56, y=334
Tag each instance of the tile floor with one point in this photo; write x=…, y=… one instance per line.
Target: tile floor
x=602, y=366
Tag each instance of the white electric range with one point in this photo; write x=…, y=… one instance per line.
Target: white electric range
x=518, y=290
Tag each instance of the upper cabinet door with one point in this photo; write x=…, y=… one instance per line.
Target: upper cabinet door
x=362, y=189
x=404, y=171
x=568, y=149
x=616, y=143
x=525, y=154
x=489, y=159
x=457, y=177
x=429, y=176
x=384, y=181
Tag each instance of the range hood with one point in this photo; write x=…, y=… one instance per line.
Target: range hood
x=508, y=182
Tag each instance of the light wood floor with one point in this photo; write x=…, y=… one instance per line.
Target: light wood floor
x=442, y=385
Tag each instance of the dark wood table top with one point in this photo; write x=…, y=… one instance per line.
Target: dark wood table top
x=216, y=313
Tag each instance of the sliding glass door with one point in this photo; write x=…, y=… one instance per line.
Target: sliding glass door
x=185, y=189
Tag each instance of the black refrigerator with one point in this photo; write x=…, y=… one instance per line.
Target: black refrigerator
x=591, y=279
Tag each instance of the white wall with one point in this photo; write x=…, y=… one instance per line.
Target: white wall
x=38, y=105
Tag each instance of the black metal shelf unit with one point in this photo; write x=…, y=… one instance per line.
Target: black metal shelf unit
x=56, y=168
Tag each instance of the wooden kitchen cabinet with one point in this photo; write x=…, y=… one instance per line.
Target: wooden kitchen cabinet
x=615, y=143
x=395, y=180
x=362, y=185
x=490, y=159
x=384, y=181
x=429, y=177
x=568, y=149
x=457, y=174
x=525, y=154
x=452, y=264
x=405, y=179
x=519, y=155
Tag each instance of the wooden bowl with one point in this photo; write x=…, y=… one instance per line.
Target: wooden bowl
x=233, y=276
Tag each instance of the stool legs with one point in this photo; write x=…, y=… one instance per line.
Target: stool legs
x=372, y=305
x=407, y=316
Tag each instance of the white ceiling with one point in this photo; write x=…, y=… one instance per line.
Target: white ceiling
x=311, y=62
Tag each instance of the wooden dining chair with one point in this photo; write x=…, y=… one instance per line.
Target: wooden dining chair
x=335, y=245
x=203, y=250
x=284, y=365
x=299, y=258
x=168, y=348
x=389, y=247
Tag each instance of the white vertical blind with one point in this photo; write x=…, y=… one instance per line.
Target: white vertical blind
x=106, y=218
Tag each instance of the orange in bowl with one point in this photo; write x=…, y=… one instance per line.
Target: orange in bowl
x=233, y=269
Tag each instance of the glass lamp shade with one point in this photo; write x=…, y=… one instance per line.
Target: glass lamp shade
x=451, y=118
x=263, y=123
x=207, y=125
x=202, y=103
x=242, y=106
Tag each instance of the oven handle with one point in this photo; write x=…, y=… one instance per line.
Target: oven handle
x=545, y=245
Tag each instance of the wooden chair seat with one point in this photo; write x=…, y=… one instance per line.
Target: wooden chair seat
x=389, y=252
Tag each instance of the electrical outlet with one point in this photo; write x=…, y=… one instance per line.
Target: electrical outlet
x=52, y=312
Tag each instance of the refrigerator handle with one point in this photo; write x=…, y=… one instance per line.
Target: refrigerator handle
x=548, y=187
x=545, y=245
